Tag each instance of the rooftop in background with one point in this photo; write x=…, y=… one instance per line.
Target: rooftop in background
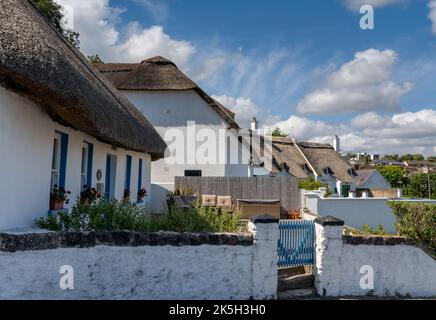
x=287, y=157
x=323, y=156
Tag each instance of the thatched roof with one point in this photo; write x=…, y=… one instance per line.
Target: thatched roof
x=323, y=156
x=287, y=157
x=159, y=74
x=36, y=61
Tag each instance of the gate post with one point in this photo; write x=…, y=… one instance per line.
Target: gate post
x=265, y=257
x=328, y=250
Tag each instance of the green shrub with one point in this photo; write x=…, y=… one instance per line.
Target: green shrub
x=367, y=230
x=115, y=216
x=417, y=221
x=310, y=184
x=99, y=215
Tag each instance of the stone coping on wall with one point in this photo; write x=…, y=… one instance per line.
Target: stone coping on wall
x=46, y=240
x=377, y=240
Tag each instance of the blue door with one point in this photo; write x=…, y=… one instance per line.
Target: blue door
x=296, y=243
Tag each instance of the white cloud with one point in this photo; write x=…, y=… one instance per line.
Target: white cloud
x=356, y=4
x=432, y=14
x=370, y=120
x=360, y=85
x=305, y=129
x=157, y=8
x=97, y=23
x=210, y=67
x=245, y=109
x=409, y=132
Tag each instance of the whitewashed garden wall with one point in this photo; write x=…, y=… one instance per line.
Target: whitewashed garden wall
x=127, y=265
x=400, y=268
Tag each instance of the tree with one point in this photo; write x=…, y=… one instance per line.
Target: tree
x=95, y=59
x=418, y=186
x=53, y=12
x=406, y=157
x=418, y=157
x=277, y=132
x=395, y=175
x=391, y=157
x=431, y=159
x=351, y=155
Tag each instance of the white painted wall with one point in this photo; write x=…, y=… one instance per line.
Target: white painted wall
x=375, y=181
x=26, y=146
x=149, y=273
x=172, y=110
x=356, y=212
x=398, y=270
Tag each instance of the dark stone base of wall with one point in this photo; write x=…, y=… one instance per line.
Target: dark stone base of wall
x=10, y=242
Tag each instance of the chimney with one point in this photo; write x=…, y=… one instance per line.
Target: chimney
x=254, y=124
x=337, y=143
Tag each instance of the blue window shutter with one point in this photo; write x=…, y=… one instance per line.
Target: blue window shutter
x=128, y=171
x=140, y=175
x=108, y=177
x=89, y=169
x=63, y=160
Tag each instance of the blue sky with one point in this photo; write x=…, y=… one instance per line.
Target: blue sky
x=303, y=65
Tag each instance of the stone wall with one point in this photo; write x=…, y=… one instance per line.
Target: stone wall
x=129, y=265
x=397, y=266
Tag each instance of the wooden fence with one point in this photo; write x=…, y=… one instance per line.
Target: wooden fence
x=261, y=188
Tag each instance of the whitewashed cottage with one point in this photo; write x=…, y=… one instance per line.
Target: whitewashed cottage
x=62, y=123
x=172, y=102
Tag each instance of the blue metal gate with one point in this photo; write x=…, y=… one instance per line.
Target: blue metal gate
x=296, y=243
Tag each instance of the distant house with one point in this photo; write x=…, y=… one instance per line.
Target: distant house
x=370, y=183
x=61, y=122
x=289, y=160
x=383, y=162
x=329, y=167
x=319, y=161
x=416, y=166
x=169, y=99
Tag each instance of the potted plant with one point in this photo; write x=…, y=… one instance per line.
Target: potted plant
x=58, y=198
x=88, y=195
x=141, y=195
x=126, y=196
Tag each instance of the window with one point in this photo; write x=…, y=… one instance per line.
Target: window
x=352, y=172
x=86, y=167
x=328, y=171
x=59, y=159
x=307, y=169
x=193, y=173
x=128, y=173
